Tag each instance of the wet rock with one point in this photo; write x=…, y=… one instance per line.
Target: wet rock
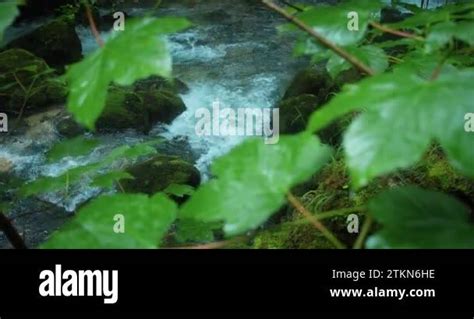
x=9, y=183
x=66, y=126
x=295, y=113
x=56, y=42
x=123, y=109
x=27, y=84
x=139, y=110
x=35, y=220
x=314, y=80
x=157, y=173
x=158, y=83
x=126, y=108
x=216, y=16
x=162, y=106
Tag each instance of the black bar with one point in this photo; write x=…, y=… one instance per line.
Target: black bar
x=241, y=280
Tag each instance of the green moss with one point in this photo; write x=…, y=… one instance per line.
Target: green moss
x=162, y=106
x=22, y=71
x=56, y=42
x=291, y=235
x=123, y=110
x=314, y=80
x=155, y=174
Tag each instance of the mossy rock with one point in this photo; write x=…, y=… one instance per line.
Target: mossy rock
x=20, y=70
x=314, y=80
x=154, y=83
x=295, y=113
x=157, y=173
x=56, y=42
x=66, y=126
x=129, y=109
x=123, y=110
x=291, y=235
x=162, y=106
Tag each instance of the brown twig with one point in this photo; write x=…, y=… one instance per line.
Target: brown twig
x=12, y=234
x=213, y=245
x=395, y=32
x=314, y=221
x=292, y=6
x=438, y=69
x=93, y=26
x=322, y=40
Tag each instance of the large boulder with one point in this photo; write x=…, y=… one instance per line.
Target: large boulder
x=126, y=108
x=56, y=42
x=27, y=84
x=136, y=107
x=159, y=172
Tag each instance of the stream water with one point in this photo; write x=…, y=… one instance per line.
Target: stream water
x=233, y=54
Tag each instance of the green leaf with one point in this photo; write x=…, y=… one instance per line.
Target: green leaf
x=78, y=174
x=253, y=179
x=109, y=179
x=136, y=53
x=146, y=220
x=74, y=147
x=415, y=218
x=332, y=21
x=8, y=13
x=431, y=17
x=179, y=190
x=370, y=55
x=424, y=64
x=359, y=96
x=404, y=115
x=442, y=33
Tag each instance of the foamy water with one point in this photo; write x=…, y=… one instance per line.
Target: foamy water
x=241, y=62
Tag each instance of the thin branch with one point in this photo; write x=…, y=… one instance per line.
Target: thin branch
x=314, y=221
x=322, y=40
x=292, y=6
x=363, y=233
x=395, y=32
x=12, y=234
x=93, y=26
x=213, y=245
x=439, y=68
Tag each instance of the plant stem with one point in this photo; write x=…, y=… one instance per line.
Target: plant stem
x=93, y=26
x=314, y=221
x=340, y=212
x=363, y=233
x=12, y=234
x=213, y=245
x=395, y=32
x=322, y=40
